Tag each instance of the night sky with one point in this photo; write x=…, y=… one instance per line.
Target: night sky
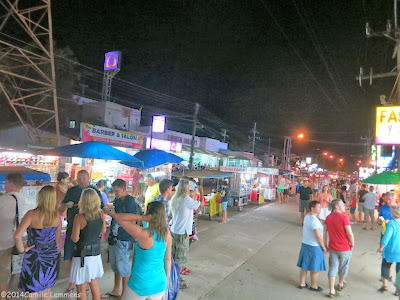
x=232, y=58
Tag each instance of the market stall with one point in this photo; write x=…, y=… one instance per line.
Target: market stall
x=267, y=178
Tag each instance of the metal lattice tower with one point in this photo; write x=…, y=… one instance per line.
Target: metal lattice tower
x=27, y=71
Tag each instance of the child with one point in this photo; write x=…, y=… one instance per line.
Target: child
x=353, y=205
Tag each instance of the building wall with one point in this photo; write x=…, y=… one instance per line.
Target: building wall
x=123, y=117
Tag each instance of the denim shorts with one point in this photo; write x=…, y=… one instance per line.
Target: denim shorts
x=119, y=258
x=224, y=205
x=352, y=210
x=303, y=206
x=69, y=248
x=339, y=262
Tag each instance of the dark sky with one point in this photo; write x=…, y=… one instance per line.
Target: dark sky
x=232, y=58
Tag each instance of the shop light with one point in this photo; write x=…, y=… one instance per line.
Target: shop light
x=247, y=176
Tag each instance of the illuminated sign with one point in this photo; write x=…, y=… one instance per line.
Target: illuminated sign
x=112, y=60
x=158, y=124
x=164, y=145
x=308, y=160
x=387, y=125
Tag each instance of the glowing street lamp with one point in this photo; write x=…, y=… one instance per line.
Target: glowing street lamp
x=341, y=160
x=331, y=157
x=300, y=135
x=326, y=153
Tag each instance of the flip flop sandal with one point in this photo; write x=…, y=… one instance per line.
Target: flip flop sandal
x=339, y=287
x=383, y=289
x=331, y=295
x=109, y=295
x=183, y=285
x=318, y=289
x=68, y=291
x=303, y=286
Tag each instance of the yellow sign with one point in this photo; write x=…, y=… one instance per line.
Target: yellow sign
x=387, y=125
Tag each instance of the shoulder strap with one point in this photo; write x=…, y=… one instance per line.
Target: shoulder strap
x=16, y=210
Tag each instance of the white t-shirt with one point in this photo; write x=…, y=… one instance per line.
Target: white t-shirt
x=7, y=219
x=310, y=224
x=182, y=217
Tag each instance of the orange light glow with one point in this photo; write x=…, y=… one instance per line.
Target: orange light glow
x=300, y=135
x=331, y=156
x=341, y=160
x=325, y=153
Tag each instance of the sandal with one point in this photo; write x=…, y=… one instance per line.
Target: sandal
x=183, y=285
x=68, y=290
x=303, y=286
x=383, y=289
x=318, y=289
x=109, y=295
x=333, y=295
x=339, y=287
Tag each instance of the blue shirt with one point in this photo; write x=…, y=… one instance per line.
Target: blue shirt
x=104, y=197
x=391, y=241
x=128, y=205
x=148, y=273
x=160, y=198
x=385, y=212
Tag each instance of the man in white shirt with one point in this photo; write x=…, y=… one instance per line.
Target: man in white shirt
x=369, y=207
x=8, y=208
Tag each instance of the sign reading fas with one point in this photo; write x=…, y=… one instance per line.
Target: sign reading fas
x=387, y=130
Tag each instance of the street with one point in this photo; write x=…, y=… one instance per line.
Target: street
x=254, y=256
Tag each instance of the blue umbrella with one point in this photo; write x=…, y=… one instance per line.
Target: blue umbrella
x=27, y=174
x=152, y=158
x=91, y=150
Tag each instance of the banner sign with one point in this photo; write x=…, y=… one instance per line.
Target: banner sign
x=112, y=60
x=164, y=145
x=387, y=125
x=106, y=135
x=233, y=169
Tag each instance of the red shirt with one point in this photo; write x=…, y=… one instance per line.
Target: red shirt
x=353, y=202
x=338, y=240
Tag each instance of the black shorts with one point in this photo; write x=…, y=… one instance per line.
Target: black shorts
x=286, y=192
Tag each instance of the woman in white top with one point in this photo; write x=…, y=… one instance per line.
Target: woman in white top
x=311, y=257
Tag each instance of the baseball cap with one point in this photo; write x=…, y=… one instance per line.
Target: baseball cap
x=192, y=186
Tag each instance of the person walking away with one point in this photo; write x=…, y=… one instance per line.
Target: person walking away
x=334, y=192
x=61, y=187
x=341, y=244
x=101, y=186
x=385, y=216
x=311, y=257
x=43, y=226
x=152, y=264
x=390, y=248
x=324, y=199
x=182, y=220
x=9, y=218
x=353, y=207
x=315, y=189
x=87, y=266
x=225, y=200
x=286, y=190
x=303, y=197
x=152, y=190
x=369, y=207
x=281, y=188
x=343, y=195
x=361, y=200
x=119, y=240
x=166, y=190
x=70, y=202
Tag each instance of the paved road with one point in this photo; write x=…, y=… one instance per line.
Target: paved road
x=254, y=256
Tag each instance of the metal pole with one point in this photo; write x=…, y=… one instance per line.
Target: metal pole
x=196, y=111
x=254, y=135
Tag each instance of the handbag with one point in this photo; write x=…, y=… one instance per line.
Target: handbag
x=219, y=200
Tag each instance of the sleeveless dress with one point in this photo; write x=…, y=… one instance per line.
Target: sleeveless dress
x=90, y=267
x=39, y=266
x=148, y=272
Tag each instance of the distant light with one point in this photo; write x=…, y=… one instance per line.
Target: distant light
x=300, y=135
x=158, y=123
x=341, y=160
x=325, y=153
x=331, y=156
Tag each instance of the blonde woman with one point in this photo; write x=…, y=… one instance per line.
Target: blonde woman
x=182, y=207
x=324, y=198
x=43, y=225
x=152, y=264
x=87, y=265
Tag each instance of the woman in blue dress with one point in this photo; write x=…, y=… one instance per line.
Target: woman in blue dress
x=43, y=226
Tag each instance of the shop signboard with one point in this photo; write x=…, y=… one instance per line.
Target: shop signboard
x=164, y=145
x=158, y=124
x=268, y=171
x=387, y=125
x=116, y=137
x=112, y=60
x=232, y=169
x=183, y=138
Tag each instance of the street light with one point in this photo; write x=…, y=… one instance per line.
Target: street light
x=341, y=160
x=331, y=157
x=326, y=153
x=300, y=135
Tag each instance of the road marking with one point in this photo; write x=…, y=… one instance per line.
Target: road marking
x=201, y=230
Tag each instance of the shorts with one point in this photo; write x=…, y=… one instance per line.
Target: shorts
x=180, y=247
x=303, y=205
x=5, y=265
x=280, y=190
x=286, y=192
x=315, y=190
x=132, y=295
x=69, y=248
x=352, y=210
x=224, y=205
x=311, y=258
x=369, y=213
x=339, y=262
x=360, y=206
x=385, y=267
x=119, y=258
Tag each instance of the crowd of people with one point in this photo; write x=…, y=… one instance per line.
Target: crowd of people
x=327, y=229
x=159, y=237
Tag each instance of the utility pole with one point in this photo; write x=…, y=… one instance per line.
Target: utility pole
x=224, y=135
x=196, y=111
x=254, y=131
x=287, y=146
x=394, y=35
